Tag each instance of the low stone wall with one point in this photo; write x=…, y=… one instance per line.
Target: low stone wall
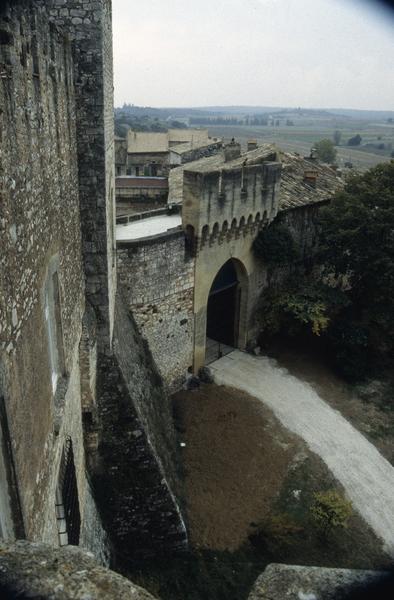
x=157, y=277
x=29, y=570
x=318, y=583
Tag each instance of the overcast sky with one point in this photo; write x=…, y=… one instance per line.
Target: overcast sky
x=309, y=53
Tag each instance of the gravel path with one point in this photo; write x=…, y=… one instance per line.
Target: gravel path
x=366, y=475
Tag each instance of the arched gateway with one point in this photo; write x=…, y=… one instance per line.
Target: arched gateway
x=189, y=272
x=226, y=310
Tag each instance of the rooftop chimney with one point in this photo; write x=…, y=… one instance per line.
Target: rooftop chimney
x=252, y=145
x=232, y=151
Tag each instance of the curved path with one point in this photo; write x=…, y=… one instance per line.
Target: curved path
x=365, y=474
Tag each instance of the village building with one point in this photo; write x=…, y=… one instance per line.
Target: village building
x=152, y=154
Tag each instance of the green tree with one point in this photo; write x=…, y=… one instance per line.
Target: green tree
x=345, y=293
x=356, y=242
x=337, y=137
x=355, y=140
x=325, y=150
x=299, y=305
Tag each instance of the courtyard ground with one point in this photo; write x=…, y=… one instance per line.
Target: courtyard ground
x=249, y=486
x=366, y=476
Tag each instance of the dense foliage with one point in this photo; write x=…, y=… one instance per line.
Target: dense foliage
x=275, y=245
x=329, y=510
x=349, y=299
x=355, y=140
x=325, y=151
x=357, y=245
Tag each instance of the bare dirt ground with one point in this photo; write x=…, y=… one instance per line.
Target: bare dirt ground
x=235, y=458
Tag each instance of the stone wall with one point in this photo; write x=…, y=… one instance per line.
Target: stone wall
x=301, y=222
x=157, y=276
x=140, y=164
x=88, y=23
x=294, y=582
x=41, y=236
x=135, y=477
x=230, y=196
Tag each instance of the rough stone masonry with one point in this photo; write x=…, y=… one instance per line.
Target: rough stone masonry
x=79, y=392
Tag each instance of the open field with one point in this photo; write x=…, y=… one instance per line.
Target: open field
x=301, y=137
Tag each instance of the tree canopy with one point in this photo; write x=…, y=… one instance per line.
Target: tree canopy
x=325, y=150
x=337, y=137
x=348, y=298
x=357, y=244
x=355, y=140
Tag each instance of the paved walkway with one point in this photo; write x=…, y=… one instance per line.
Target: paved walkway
x=366, y=475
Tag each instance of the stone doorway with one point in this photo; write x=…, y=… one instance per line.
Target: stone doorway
x=223, y=312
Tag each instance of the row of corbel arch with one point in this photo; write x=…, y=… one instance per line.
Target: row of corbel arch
x=237, y=228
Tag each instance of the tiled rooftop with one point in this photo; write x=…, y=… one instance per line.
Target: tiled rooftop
x=215, y=163
x=303, y=181
x=185, y=147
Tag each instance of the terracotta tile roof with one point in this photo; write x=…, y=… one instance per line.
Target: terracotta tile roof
x=214, y=163
x=305, y=182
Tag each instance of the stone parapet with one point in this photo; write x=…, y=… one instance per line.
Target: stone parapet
x=318, y=583
x=32, y=570
x=223, y=198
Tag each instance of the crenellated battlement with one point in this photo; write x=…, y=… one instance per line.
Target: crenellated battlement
x=224, y=204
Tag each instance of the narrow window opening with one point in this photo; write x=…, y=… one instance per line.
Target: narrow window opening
x=67, y=503
x=54, y=329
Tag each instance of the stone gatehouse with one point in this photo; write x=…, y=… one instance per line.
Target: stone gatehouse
x=188, y=272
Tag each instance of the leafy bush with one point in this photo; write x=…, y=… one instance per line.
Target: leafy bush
x=299, y=305
x=330, y=510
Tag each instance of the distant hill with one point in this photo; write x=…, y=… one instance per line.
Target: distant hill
x=375, y=115
x=222, y=111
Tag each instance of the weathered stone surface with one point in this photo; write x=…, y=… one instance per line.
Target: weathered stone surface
x=40, y=232
x=38, y=570
x=279, y=582
x=89, y=26
x=157, y=280
x=57, y=216
x=135, y=472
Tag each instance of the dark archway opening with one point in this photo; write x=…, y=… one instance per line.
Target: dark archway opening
x=223, y=312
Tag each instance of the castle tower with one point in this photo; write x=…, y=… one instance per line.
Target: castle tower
x=89, y=23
